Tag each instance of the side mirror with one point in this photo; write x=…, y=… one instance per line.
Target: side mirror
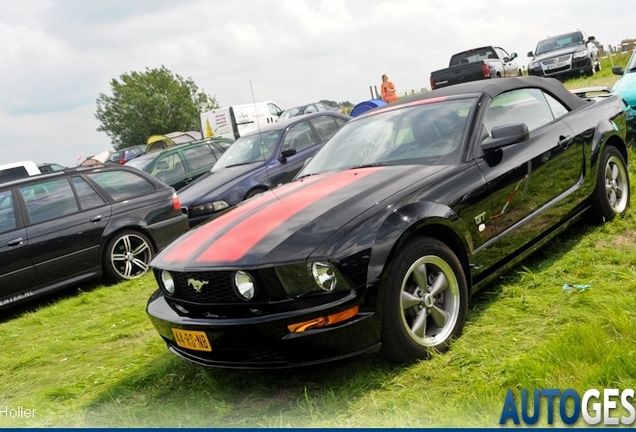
x=530, y=54
x=506, y=135
x=590, y=39
x=513, y=56
x=287, y=153
x=618, y=70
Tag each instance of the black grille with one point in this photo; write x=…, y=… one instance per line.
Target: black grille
x=205, y=287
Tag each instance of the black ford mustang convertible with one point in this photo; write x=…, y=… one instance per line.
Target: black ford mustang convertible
x=388, y=230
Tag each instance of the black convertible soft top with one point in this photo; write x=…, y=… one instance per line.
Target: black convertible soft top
x=494, y=87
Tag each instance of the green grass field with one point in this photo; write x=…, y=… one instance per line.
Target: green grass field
x=89, y=357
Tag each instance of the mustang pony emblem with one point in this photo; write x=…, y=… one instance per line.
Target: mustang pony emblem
x=196, y=284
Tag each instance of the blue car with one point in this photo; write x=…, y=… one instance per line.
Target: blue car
x=257, y=162
x=626, y=88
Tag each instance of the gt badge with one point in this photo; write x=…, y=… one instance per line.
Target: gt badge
x=480, y=218
x=196, y=284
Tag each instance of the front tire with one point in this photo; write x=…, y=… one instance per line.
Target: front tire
x=611, y=195
x=425, y=303
x=127, y=256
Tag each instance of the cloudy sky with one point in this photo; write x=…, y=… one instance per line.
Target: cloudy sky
x=57, y=56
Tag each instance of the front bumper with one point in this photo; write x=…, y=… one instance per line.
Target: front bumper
x=571, y=66
x=264, y=342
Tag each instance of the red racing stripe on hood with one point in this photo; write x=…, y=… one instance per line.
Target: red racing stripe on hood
x=241, y=238
x=187, y=246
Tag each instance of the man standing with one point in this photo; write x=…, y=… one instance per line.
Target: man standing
x=388, y=90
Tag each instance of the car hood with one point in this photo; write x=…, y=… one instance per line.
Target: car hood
x=626, y=87
x=557, y=53
x=212, y=185
x=286, y=224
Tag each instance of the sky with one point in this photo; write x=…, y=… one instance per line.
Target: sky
x=58, y=56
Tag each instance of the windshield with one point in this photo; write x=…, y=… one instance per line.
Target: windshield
x=558, y=42
x=140, y=162
x=431, y=133
x=293, y=112
x=249, y=149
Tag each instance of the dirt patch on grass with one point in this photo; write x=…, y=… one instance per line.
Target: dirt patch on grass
x=625, y=239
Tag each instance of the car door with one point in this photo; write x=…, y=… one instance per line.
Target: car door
x=170, y=168
x=199, y=159
x=509, y=66
x=17, y=275
x=533, y=184
x=66, y=219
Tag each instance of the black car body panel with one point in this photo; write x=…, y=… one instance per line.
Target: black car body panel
x=57, y=238
x=490, y=207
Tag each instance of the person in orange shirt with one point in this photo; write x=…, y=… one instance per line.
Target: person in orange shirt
x=388, y=90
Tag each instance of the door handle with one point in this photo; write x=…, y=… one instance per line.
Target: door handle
x=15, y=242
x=565, y=141
x=97, y=218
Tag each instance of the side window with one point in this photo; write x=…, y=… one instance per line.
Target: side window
x=341, y=122
x=325, y=126
x=121, y=184
x=199, y=156
x=49, y=200
x=558, y=109
x=274, y=109
x=7, y=213
x=527, y=106
x=311, y=109
x=168, y=167
x=299, y=137
x=88, y=198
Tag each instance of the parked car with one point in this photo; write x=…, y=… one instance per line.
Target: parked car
x=66, y=227
x=565, y=55
x=305, y=109
x=237, y=120
x=181, y=164
x=476, y=64
x=125, y=155
x=389, y=229
x=258, y=162
x=50, y=167
x=626, y=88
x=16, y=170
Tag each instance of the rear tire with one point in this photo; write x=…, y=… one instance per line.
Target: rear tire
x=127, y=256
x=425, y=301
x=611, y=195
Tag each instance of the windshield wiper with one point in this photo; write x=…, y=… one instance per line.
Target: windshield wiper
x=238, y=164
x=303, y=176
x=632, y=69
x=377, y=164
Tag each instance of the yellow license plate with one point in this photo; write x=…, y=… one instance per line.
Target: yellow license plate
x=190, y=339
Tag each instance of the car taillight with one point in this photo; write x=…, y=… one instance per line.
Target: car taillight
x=432, y=83
x=486, y=70
x=122, y=161
x=176, y=204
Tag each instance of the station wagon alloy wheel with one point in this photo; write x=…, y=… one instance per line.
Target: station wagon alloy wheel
x=127, y=256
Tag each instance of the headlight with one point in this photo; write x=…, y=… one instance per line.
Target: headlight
x=244, y=284
x=208, y=208
x=581, y=53
x=533, y=65
x=324, y=275
x=311, y=277
x=167, y=282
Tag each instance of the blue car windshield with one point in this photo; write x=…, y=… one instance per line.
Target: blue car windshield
x=249, y=149
x=427, y=132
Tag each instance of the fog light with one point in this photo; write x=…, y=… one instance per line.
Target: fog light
x=324, y=321
x=324, y=275
x=244, y=284
x=167, y=281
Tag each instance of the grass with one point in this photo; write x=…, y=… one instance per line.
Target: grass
x=89, y=356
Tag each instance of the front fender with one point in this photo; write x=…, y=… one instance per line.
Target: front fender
x=398, y=227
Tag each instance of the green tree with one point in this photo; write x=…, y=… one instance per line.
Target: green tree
x=155, y=101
